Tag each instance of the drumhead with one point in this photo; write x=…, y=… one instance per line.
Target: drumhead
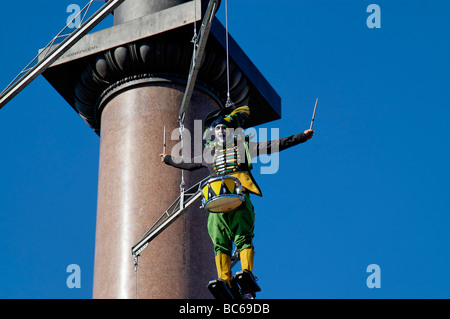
x=224, y=204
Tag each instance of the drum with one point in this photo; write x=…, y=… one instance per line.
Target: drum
x=222, y=194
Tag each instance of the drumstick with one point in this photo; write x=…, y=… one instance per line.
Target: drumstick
x=164, y=141
x=314, y=115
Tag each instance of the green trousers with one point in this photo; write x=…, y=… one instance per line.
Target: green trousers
x=236, y=226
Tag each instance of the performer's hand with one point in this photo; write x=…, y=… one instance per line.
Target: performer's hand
x=162, y=157
x=309, y=133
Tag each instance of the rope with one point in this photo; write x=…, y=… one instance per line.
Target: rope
x=136, y=263
x=182, y=185
x=228, y=103
x=194, y=38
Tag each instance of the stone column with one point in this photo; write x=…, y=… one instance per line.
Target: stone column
x=135, y=188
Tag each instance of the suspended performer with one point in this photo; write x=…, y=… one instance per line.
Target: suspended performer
x=231, y=156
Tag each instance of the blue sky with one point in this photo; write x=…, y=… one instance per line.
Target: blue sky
x=371, y=187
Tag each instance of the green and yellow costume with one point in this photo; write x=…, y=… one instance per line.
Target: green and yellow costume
x=231, y=160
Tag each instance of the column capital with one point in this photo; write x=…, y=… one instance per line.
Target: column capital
x=157, y=46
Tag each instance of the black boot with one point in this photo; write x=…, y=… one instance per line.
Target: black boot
x=247, y=283
x=220, y=289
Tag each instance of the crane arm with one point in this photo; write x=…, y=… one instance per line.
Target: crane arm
x=17, y=86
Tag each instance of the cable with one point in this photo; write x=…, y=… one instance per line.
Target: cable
x=182, y=185
x=228, y=103
x=194, y=38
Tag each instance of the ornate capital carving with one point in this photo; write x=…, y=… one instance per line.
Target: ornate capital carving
x=153, y=60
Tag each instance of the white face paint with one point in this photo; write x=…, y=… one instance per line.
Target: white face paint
x=221, y=132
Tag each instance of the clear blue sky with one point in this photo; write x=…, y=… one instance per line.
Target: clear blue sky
x=371, y=187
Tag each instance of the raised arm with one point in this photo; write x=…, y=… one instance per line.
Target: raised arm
x=280, y=144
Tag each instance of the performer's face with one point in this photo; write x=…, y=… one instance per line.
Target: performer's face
x=221, y=132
